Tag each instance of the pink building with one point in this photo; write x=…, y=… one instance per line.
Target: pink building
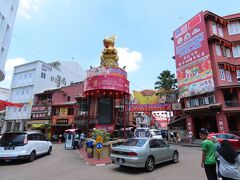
x=55, y=109
x=207, y=53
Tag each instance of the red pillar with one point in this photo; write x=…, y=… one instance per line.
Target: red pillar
x=222, y=122
x=124, y=118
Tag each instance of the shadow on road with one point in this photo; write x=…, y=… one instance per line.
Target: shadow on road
x=131, y=170
x=18, y=162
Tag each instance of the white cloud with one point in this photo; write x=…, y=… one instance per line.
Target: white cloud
x=9, y=66
x=130, y=59
x=27, y=7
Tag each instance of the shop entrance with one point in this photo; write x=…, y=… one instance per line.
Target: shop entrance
x=234, y=123
x=207, y=122
x=105, y=106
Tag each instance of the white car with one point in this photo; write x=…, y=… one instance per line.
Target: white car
x=147, y=132
x=24, y=145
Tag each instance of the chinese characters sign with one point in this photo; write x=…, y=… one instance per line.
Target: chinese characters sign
x=113, y=81
x=194, y=71
x=63, y=112
x=41, y=112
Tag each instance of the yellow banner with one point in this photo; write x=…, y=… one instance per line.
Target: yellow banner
x=63, y=112
x=148, y=97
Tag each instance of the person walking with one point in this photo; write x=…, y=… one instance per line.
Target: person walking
x=190, y=136
x=229, y=161
x=208, y=156
x=172, y=136
x=217, y=146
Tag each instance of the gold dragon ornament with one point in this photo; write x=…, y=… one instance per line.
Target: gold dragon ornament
x=109, y=56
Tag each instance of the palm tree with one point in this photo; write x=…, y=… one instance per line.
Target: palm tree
x=166, y=84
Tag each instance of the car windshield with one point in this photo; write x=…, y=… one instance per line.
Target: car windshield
x=156, y=133
x=12, y=139
x=142, y=133
x=135, y=142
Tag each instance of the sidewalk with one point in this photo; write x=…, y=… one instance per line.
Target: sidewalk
x=93, y=161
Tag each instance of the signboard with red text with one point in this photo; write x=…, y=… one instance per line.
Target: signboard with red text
x=194, y=71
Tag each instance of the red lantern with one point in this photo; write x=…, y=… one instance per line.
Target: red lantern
x=225, y=66
x=104, y=93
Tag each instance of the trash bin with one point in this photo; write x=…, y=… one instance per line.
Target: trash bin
x=89, y=144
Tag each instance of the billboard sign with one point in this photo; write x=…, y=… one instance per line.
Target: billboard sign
x=41, y=112
x=149, y=107
x=194, y=71
x=110, y=83
x=148, y=97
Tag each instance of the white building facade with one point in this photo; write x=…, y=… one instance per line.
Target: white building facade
x=8, y=10
x=35, y=77
x=4, y=96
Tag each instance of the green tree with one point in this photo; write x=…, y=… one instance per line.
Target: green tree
x=166, y=84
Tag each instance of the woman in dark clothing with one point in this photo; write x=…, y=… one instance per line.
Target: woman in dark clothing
x=229, y=161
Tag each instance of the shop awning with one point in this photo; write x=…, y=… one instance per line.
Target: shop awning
x=64, y=125
x=38, y=125
x=38, y=122
x=177, y=121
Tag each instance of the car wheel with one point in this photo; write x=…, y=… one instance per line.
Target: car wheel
x=175, y=157
x=31, y=156
x=149, y=165
x=49, y=150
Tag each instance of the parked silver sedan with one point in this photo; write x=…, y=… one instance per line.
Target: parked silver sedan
x=143, y=153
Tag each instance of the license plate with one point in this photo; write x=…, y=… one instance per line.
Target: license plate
x=120, y=161
x=9, y=148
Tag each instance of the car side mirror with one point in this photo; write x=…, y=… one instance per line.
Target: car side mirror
x=168, y=145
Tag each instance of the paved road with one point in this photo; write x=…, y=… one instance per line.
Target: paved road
x=67, y=165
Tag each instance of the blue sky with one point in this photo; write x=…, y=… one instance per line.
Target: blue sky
x=52, y=30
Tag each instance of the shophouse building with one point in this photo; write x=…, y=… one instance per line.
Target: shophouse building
x=8, y=10
x=54, y=110
x=207, y=53
x=35, y=77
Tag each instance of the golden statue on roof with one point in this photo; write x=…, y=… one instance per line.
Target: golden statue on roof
x=109, y=56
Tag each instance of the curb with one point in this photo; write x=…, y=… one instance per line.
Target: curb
x=100, y=164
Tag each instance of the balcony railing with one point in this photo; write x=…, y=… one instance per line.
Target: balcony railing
x=232, y=103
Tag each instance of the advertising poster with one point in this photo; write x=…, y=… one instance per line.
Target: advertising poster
x=194, y=71
x=148, y=97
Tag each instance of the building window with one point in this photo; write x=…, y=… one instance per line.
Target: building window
x=226, y=52
x=236, y=51
x=214, y=28
x=52, y=78
x=220, y=30
x=222, y=74
x=43, y=75
x=56, y=112
x=218, y=50
x=70, y=111
x=228, y=76
x=234, y=28
x=68, y=98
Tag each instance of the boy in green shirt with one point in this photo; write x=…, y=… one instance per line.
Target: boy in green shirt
x=208, y=156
